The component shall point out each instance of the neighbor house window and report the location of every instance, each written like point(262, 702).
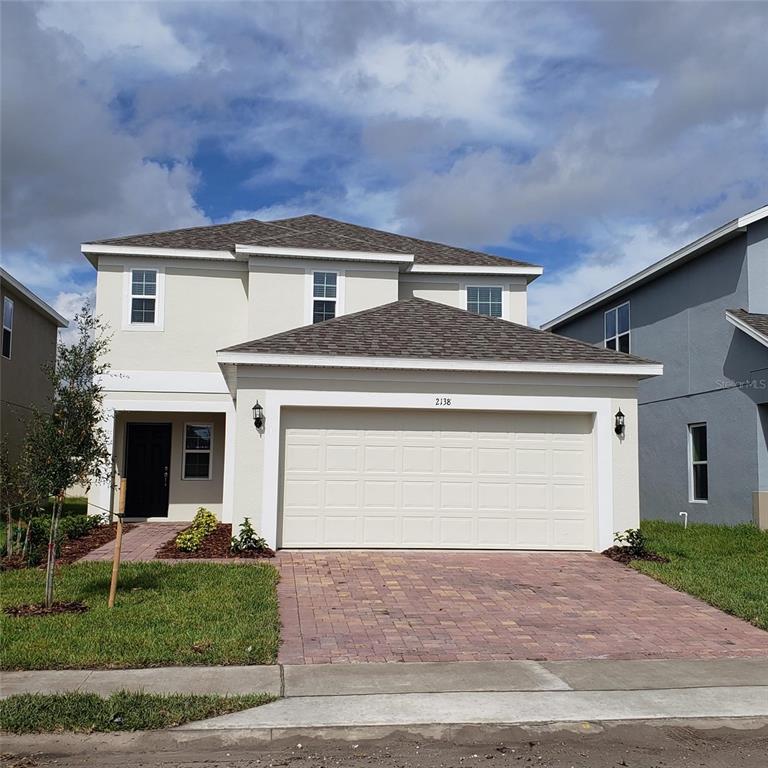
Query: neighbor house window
point(7, 326)
point(484, 300)
point(699, 472)
point(143, 295)
point(617, 328)
point(324, 296)
point(198, 441)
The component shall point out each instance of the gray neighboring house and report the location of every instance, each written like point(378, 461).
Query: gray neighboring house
point(702, 312)
point(30, 329)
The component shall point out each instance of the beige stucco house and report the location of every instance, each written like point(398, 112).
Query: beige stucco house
point(29, 333)
point(347, 387)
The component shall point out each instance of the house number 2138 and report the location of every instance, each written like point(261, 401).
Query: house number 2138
point(442, 401)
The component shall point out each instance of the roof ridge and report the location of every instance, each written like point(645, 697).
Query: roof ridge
point(411, 237)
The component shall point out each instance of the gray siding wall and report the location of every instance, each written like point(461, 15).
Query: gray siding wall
point(24, 385)
point(679, 320)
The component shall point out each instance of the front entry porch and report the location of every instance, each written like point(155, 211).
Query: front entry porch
point(169, 459)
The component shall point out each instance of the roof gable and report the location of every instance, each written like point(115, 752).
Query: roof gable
point(426, 330)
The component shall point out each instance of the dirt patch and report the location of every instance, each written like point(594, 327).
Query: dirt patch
point(622, 555)
point(37, 609)
point(215, 545)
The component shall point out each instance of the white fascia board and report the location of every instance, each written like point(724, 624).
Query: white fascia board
point(684, 254)
point(474, 269)
point(170, 253)
point(422, 364)
point(326, 254)
point(752, 217)
point(748, 329)
point(46, 309)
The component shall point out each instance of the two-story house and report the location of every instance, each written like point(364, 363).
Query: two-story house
point(30, 331)
point(347, 387)
point(703, 312)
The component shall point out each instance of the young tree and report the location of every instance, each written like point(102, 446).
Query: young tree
point(67, 444)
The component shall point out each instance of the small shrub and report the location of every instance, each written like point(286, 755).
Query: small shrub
point(634, 540)
point(203, 524)
point(77, 526)
point(247, 540)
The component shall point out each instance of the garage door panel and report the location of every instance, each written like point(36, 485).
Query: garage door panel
point(504, 480)
point(456, 531)
point(418, 459)
point(380, 458)
point(342, 458)
point(494, 496)
point(342, 493)
point(380, 494)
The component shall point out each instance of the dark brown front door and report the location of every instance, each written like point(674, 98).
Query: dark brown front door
point(147, 467)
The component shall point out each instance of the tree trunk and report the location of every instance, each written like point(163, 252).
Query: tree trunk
point(51, 562)
point(9, 533)
point(25, 548)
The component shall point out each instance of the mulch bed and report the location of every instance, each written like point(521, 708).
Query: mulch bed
point(37, 609)
point(71, 549)
point(214, 546)
point(622, 555)
point(74, 549)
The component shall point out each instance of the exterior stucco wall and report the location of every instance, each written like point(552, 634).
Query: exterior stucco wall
point(713, 373)
point(251, 458)
point(451, 290)
point(205, 306)
point(23, 385)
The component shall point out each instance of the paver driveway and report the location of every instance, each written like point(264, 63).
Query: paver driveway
point(459, 606)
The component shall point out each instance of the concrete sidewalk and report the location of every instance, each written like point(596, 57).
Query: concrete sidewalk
point(369, 700)
point(388, 678)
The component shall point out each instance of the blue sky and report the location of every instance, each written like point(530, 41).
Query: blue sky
point(590, 138)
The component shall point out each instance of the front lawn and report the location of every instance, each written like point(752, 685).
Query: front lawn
point(166, 615)
point(727, 566)
point(123, 711)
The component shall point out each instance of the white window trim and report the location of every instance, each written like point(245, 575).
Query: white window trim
point(185, 450)
point(159, 323)
point(691, 463)
point(310, 292)
point(504, 297)
point(7, 328)
point(607, 338)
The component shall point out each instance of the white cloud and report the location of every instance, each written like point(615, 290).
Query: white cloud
point(119, 30)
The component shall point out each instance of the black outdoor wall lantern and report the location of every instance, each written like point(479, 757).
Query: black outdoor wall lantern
point(619, 423)
point(258, 416)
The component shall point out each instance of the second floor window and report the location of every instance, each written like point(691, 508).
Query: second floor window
point(7, 326)
point(617, 328)
point(143, 295)
point(484, 300)
point(324, 296)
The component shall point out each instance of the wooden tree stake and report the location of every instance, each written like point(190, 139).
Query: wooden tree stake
point(118, 545)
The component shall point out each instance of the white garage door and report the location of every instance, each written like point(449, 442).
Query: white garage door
point(375, 478)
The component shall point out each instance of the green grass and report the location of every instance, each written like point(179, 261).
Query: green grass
point(166, 615)
point(726, 566)
point(123, 711)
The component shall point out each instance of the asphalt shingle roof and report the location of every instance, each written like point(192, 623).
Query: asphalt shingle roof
point(754, 320)
point(311, 232)
point(417, 328)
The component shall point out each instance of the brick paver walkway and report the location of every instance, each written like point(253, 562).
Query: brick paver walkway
point(449, 606)
point(140, 543)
